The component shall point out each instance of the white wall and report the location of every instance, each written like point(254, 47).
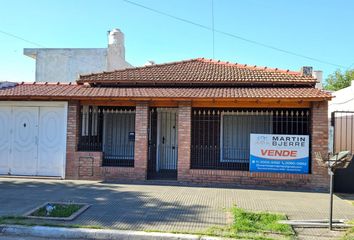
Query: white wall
point(343, 100)
point(65, 64)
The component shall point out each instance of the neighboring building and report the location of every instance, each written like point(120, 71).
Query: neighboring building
point(341, 115)
point(189, 121)
point(65, 64)
point(343, 99)
point(341, 129)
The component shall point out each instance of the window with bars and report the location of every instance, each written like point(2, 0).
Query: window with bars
point(236, 128)
point(90, 137)
point(221, 137)
point(110, 130)
point(119, 137)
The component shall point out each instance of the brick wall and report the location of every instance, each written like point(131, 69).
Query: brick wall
point(72, 166)
point(184, 141)
point(141, 140)
point(319, 131)
point(88, 165)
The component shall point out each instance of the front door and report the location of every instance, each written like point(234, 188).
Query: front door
point(165, 166)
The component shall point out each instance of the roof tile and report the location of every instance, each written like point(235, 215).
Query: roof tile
point(60, 91)
point(198, 71)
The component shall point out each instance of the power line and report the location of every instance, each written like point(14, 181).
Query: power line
point(351, 65)
point(33, 43)
point(21, 38)
point(233, 35)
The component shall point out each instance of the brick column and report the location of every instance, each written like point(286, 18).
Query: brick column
point(71, 140)
point(319, 132)
point(141, 140)
point(184, 140)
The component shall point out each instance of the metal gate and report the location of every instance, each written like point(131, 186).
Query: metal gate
point(342, 139)
point(163, 145)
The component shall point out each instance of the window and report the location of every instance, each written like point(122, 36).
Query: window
point(90, 137)
point(119, 137)
point(220, 136)
point(89, 120)
point(235, 133)
point(110, 130)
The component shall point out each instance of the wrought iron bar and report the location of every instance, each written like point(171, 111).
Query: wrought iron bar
point(220, 137)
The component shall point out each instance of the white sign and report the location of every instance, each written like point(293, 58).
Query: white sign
point(279, 153)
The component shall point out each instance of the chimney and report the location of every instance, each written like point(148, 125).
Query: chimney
point(318, 74)
point(150, 63)
point(115, 50)
point(306, 71)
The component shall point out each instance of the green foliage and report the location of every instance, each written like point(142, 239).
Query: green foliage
point(245, 221)
point(339, 80)
point(254, 225)
point(60, 210)
point(349, 235)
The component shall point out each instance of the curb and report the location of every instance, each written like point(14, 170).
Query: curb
point(84, 233)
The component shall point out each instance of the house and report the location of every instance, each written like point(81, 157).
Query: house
point(341, 129)
point(65, 64)
point(190, 121)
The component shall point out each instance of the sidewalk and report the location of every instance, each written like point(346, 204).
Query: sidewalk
point(162, 208)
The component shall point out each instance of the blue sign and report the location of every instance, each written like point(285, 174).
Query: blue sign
point(279, 153)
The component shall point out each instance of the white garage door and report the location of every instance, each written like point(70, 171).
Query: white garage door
point(24, 146)
point(32, 140)
point(5, 138)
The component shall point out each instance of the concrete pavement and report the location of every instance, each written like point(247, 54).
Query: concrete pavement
point(161, 208)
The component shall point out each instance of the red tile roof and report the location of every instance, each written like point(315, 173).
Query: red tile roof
point(73, 91)
point(198, 71)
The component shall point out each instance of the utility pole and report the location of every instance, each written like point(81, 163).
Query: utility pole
point(331, 175)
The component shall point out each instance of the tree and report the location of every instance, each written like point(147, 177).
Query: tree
point(339, 80)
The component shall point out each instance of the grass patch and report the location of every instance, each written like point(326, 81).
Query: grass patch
point(245, 221)
point(254, 225)
point(246, 225)
point(59, 210)
point(349, 234)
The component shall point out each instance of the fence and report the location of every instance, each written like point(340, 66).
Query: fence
point(343, 129)
point(221, 137)
point(342, 139)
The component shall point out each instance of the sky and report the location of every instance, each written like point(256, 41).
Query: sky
point(320, 29)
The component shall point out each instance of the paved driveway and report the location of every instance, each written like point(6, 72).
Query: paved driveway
point(164, 208)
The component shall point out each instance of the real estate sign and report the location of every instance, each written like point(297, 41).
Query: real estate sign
point(279, 153)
